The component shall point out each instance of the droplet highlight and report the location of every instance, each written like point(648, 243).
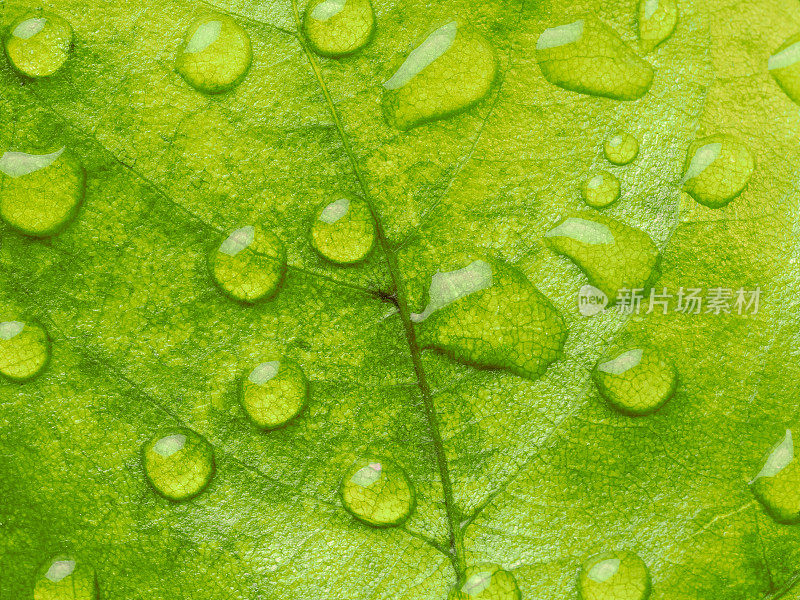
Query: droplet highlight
point(619, 575)
point(24, 350)
point(657, 21)
point(65, 577)
point(486, 582)
point(179, 463)
point(717, 169)
point(338, 27)
point(784, 66)
point(377, 492)
point(621, 148)
point(273, 393)
point(636, 381)
point(601, 190)
point(777, 484)
point(344, 232)
point(38, 45)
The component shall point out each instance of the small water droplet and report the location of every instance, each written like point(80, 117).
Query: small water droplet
point(717, 169)
point(338, 27)
point(40, 193)
point(249, 265)
point(377, 492)
point(486, 582)
point(784, 66)
point(777, 485)
point(636, 381)
point(274, 392)
point(24, 350)
point(65, 577)
point(601, 190)
point(586, 56)
point(447, 73)
point(344, 231)
point(619, 575)
point(613, 255)
point(38, 45)
point(215, 54)
point(621, 148)
point(657, 21)
point(178, 462)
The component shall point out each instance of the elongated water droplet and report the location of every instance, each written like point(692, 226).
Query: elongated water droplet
point(344, 231)
point(621, 148)
point(338, 27)
point(619, 575)
point(178, 462)
point(40, 193)
point(215, 54)
point(601, 190)
point(274, 392)
point(777, 485)
point(613, 255)
point(377, 492)
point(249, 264)
point(488, 314)
point(636, 381)
point(588, 57)
point(657, 21)
point(38, 45)
point(784, 66)
point(24, 350)
point(486, 582)
point(451, 70)
point(717, 169)
point(65, 577)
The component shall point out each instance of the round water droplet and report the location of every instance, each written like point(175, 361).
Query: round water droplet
point(619, 575)
point(338, 27)
point(586, 56)
point(449, 71)
point(274, 392)
point(784, 66)
point(215, 54)
point(377, 492)
point(250, 264)
point(178, 462)
point(344, 231)
point(40, 193)
point(717, 169)
point(621, 148)
point(24, 350)
point(636, 381)
point(65, 577)
point(657, 21)
point(486, 582)
point(37, 45)
point(601, 190)
point(777, 485)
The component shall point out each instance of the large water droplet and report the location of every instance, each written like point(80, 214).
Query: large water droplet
point(588, 57)
point(601, 190)
point(37, 45)
point(377, 492)
point(613, 255)
point(777, 485)
point(24, 350)
point(338, 27)
point(636, 381)
point(65, 577)
point(717, 169)
point(274, 392)
point(178, 462)
point(621, 148)
point(215, 54)
point(619, 575)
point(40, 193)
point(486, 582)
point(784, 66)
point(657, 21)
point(448, 72)
point(488, 314)
point(344, 231)
point(250, 264)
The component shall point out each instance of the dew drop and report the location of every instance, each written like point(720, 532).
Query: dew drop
point(447, 73)
point(717, 169)
point(621, 148)
point(377, 492)
point(215, 54)
point(784, 66)
point(777, 485)
point(601, 190)
point(249, 265)
point(619, 575)
point(40, 193)
point(586, 56)
point(338, 27)
point(344, 231)
point(486, 582)
point(657, 21)
point(24, 350)
point(178, 462)
point(273, 393)
point(37, 46)
point(65, 577)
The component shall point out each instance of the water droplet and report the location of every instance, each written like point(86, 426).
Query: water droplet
point(377, 492)
point(617, 575)
point(586, 56)
point(621, 148)
point(273, 393)
point(657, 21)
point(338, 27)
point(784, 66)
point(24, 350)
point(777, 485)
point(613, 255)
point(486, 582)
point(717, 169)
point(601, 190)
point(636, 381)
point(344, 231)
point(38, 45)
point(40, 193)
point(215, 54)
point(447, 73)
point(65, 578)
point(178, 462)
point(488, 314)
point(249, 264)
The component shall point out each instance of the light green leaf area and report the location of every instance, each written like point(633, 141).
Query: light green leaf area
point(533, 475)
